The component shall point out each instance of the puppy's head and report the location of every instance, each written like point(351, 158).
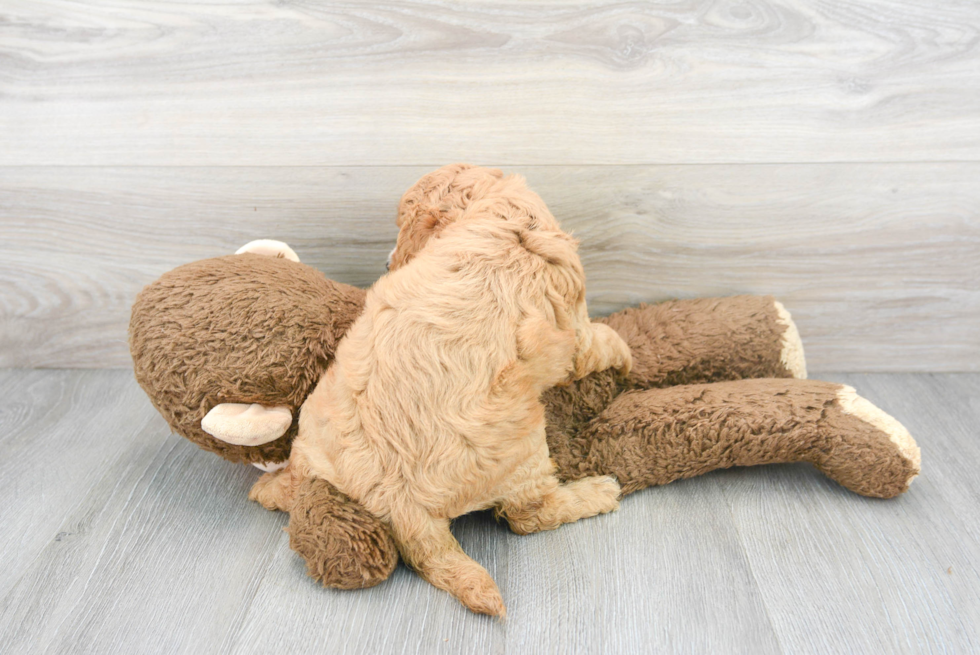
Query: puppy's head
point(437, 200)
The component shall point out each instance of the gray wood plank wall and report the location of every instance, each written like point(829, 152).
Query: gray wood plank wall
point(825, 152)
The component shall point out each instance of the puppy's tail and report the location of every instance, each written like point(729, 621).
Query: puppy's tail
point(431, 549)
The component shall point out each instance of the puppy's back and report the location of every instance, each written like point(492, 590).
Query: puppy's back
point(443, 371)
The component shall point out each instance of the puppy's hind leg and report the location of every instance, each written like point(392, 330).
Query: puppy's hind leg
point(542, 503)
point(277, 489)
point(428, 546)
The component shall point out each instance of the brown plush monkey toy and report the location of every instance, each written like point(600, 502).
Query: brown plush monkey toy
point(228, 349)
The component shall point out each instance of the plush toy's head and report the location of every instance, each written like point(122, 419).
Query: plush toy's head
point(237, 329)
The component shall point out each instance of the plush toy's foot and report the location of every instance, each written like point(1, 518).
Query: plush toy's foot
point(653, 437)
point(791, 351)
point(269, 248)
point(860, 424)
point(247, 425)
point(344, 546)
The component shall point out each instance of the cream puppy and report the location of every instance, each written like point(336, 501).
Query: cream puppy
point(431, 409)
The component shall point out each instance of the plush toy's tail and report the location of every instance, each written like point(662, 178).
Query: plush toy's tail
point(653, 437)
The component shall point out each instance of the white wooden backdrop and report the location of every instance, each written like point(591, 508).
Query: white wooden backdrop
point(827, 152)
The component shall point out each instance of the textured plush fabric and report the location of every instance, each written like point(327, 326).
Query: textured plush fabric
point(702, 340)
point(243, 329)
point(646, 438)
point(344, 546)
point(676, 342)
point(656, 436)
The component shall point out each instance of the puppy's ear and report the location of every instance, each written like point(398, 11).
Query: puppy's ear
point(415, 233)
point(557, 248)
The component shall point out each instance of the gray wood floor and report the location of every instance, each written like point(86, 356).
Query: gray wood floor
point(121, 538)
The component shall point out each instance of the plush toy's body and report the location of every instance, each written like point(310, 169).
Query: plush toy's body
point(232, 346)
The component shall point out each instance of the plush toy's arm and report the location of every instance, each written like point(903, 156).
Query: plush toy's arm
point(656, 436)
point(344, 545)
point(709, 340)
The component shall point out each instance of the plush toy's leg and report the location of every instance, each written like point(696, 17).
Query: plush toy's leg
point(344, 545)
point(709, 340)
point(270, 248)
point(655, 436)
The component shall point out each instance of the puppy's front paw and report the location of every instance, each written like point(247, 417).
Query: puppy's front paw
point(620, 357)
point(625, 359)
point(611, 349)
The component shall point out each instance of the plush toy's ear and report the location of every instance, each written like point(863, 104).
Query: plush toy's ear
point(247, 425)
point(269, 248)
